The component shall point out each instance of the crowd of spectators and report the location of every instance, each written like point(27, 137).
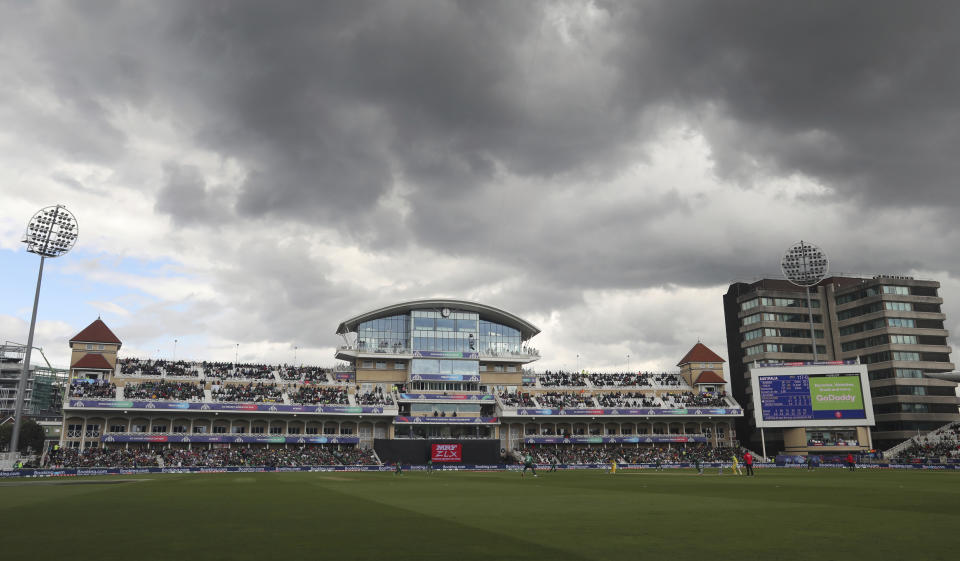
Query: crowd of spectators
point(562, 379)
point(646, 379)
point(518, 399)
point(942, 444)
point(311, 455)
point(257, 393)
point(560, 400)
point(627, 399)
point(248, 372)
point(217, 369)
point(179, 369)
point(690, 399)
point(309, 395)
point(139, 367)
point(99, 457)
point(310, 375)
point(174, 391)
point(603, 454)
point(316, 375)
point(374, 397)
point(86, 387)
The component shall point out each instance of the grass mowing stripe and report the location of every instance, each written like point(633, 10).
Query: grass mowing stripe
point(791, 515)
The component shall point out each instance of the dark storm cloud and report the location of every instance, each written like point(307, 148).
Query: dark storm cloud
point(863, 96)
point(186, 197)
point(329, 107)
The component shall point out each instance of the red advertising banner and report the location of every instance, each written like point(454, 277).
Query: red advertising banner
point(446, 452)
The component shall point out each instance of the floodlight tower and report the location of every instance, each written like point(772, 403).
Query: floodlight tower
point(805, 265)
point(50, 233)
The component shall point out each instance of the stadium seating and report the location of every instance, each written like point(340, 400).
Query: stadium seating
point(374, 397)
point(310, 395)
point(171, 391)
point(602, 454)
point(255, 392)
point(312, 455)
point(939, 445)
point(93, 389)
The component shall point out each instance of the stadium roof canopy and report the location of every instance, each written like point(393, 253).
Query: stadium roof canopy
point(489, 313)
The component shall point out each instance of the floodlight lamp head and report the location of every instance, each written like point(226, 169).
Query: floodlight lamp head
point(51, 232)
point(804, 264)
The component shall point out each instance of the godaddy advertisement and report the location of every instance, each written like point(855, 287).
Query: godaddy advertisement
point(835, 393)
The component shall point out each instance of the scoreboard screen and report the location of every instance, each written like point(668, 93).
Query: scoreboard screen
point(811, 396)
point(801, 397)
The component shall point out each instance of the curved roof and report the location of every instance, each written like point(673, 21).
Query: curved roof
point(489, 313)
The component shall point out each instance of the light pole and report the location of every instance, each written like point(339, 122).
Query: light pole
point(50, 233)
point(805, 265)
point(236, 358)
point(628, 363)
point(294, 356)
point(578, 362)
point(174, 350)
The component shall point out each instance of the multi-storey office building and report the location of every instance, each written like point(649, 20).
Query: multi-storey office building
point(415, 373)
point(894, 325)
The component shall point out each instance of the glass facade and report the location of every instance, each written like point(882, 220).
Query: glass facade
point(389, 334)
point(434, 332)
point(438, 331)
point(498, 339)
point(443, 366)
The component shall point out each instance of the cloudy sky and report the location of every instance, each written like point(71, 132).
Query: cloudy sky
point(256, 172)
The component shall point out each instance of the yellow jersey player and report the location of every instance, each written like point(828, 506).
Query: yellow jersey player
point(735, 468)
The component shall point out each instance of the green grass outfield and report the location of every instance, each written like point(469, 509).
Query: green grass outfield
point(453, 516)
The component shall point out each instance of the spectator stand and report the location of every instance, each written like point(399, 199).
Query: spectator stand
point(255, 392)
point(164, 391)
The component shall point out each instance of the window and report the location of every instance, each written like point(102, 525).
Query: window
point(93, 430)
point(329, 430)
point(238, 430)
point(905, 356)
point(219, 430)
point(381, 365)
point(789, 302)
point(748, 320)
point(159, 428)
point(199, 429)
point(74, 431)
point(753, 334)
point(139, 428)
point(903, 339)
point(293, 430)
point(118, 428)
point(399, 366)
point(900, 322)
point(276, 430)
point(346, 429)
point(753, 303)
point(257, 429)
point(312, 430)
point(367, 364)
point(901, 290)
point(898, 306)
point(179, 428)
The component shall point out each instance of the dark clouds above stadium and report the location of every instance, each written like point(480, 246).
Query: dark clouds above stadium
point(554, 158)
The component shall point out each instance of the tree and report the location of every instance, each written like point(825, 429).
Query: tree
point(32, 436)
